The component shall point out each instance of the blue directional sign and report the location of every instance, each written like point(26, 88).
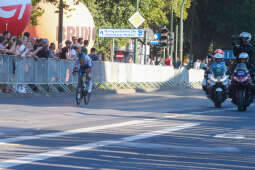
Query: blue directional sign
point(229, 55)
point(121, 33)
point(156, 39)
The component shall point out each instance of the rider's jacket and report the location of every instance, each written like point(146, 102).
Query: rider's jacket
point(83, 61)
point(216, 65)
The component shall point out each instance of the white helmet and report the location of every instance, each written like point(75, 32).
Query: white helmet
point(218, 56)
point(245, 35)
point(243, 56)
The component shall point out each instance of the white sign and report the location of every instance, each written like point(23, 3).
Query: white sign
point(121, 33)
point(136, 19)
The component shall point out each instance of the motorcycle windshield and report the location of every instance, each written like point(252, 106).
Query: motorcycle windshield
point(241, 69)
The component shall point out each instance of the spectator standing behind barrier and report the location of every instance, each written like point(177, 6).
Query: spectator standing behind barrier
point(44, 52)
point(73, 53)
point(66, 50)
point(93, 55)
point(1, 44)
point(84, 48)
point(100, 55)
point(130, 59)
point(197, 64)
point(59, 50)
point(168, 61)
point(148, 61)
point(203, 64)
point(74, 42)
point(154, 60)
point(52, 53)
point(80, 41)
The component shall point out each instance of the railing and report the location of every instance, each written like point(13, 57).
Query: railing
point(17, 70)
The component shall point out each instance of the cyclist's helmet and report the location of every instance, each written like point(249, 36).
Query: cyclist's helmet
point(245, 37)
point(218, 57)
point(243, 58)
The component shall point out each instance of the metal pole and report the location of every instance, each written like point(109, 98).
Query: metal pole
point(171, 28)
point(145, 47)
point(113, 44)
point(136, 40)
point(181, 31)
point(60, 22)
point(176, 41)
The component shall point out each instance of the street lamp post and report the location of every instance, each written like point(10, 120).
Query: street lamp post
point(181, 31)
point(136, 40)
point(60, 23)
point(171, 27)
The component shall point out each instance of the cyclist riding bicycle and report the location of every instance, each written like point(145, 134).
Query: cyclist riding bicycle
point(83, 65)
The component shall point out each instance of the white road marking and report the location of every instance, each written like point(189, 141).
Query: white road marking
point(229, 136)
point(209, 111)
point(70, 132)
point(89, 146)
point(183, 148)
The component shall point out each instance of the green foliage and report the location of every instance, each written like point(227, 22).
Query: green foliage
point(216, 21)
point(115, 14)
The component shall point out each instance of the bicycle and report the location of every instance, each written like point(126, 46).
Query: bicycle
point(84, 91)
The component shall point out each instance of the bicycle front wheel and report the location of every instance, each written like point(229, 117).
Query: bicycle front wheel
point(87, 98)
point(78, 97)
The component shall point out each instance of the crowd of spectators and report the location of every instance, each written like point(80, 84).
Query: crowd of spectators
point(31, 47)
point(159, 61)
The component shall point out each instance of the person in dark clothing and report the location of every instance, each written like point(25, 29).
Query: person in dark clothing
point(85, 47)
point(93, 55)
point(66, 50)
point(244, 46)
point(44, 52)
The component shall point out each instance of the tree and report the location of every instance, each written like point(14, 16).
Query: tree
point(216, 21)
point(115, 14)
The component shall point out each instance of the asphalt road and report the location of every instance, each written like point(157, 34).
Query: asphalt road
point(176, 129)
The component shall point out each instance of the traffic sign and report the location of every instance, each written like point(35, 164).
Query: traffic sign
point(119, 56)
point(14, 15)
point(121, 33)
point(229, 55)
point(136, 20)
point(156, 39)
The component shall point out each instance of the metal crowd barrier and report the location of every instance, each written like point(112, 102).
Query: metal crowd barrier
point(17, 70)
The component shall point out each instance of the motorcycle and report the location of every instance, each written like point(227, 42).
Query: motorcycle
point(218, 85)
point(241, 88)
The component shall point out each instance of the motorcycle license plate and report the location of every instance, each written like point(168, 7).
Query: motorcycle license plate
point(219, 89)
point(240, 73)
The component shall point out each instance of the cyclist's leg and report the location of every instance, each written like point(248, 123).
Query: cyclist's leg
point(89, 77)
point(80, 79)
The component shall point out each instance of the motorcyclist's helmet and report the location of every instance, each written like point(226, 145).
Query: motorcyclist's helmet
point(218, 57)
point(220, 51)
point(245, 37)
point(243, 58)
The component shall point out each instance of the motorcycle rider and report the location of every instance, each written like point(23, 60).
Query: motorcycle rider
point(242, 58)
point(218, 62)
point(207, 70)
point(246, 47)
